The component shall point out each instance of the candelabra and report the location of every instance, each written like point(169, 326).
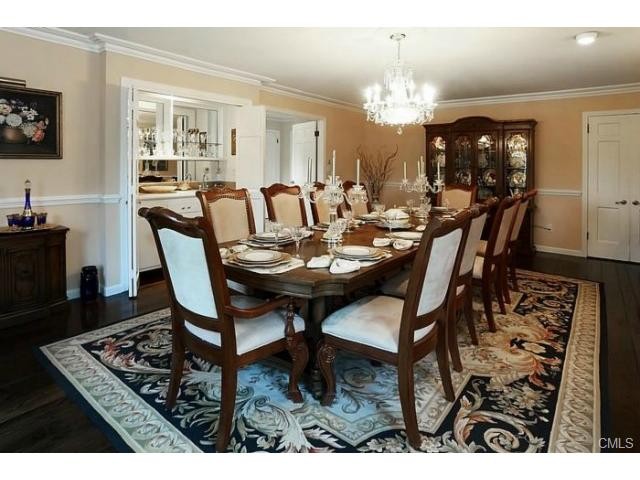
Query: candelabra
point(422, 186)
point(333, 194)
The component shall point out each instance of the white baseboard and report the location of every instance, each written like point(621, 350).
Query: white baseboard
point(560, 251)
point(73, 293)
point(109, 290)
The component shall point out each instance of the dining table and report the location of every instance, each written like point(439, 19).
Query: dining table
point(317, 285)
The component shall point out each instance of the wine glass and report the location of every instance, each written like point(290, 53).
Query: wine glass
point(348, 216)
point(297, 233)
point(342, 225)
point(410, 205)
point(276, 228)
point(392, 216)
point(379, 208)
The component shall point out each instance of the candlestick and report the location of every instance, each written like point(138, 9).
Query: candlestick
point(405, 171)
point(333, 167)
point(358, 171)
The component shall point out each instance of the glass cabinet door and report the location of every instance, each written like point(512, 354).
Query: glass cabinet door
point(437, 157)
point(462, 159)
point(487, 164)
point(516, 157)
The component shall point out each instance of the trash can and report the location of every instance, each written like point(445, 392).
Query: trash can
point(89, 283)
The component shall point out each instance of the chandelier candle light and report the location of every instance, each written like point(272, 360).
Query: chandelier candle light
point(333, 194)
point(401, 105)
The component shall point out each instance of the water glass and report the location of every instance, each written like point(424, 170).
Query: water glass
point(41, 218)
point(342, 225)
point(410, 206)
point(297, 233)
point(276, 228)
point(379, 208)
point(348, 216)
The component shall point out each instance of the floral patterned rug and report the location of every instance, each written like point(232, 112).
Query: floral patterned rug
point(533, 386)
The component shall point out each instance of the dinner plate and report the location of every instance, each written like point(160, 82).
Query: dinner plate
point(259, 256)
point(270, 236)
point(407, 235)
point(357, 251)
point(368, 216)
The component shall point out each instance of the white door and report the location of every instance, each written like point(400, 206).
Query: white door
point(614, 149)
point(303, 150)
point(251, 127)
point(272, 167)
point(634, 195)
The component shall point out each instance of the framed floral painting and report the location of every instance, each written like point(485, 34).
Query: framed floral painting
point(30, 123)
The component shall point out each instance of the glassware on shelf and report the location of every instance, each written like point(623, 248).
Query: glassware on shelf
point(462, 160)
point(14, 221)
point(41, 218)
point(437, 154)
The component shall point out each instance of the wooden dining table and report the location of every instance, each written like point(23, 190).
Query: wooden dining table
point(318, 285)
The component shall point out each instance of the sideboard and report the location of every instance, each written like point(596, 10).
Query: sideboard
point(33, 274)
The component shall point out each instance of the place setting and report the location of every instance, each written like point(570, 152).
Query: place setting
point(264, 261)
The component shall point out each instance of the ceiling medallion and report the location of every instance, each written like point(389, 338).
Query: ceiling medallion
point(399, 105)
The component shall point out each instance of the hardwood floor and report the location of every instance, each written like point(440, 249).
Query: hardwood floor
point(36, 416)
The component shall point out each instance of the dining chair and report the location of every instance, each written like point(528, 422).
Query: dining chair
point(319, 208)
point(457, 196)
point(230, 331)
point(284, 204)
point(397, 285)
point(229, 211)
point(512, 247)
point(401, 332)
point(489, 269)
point(356, 208)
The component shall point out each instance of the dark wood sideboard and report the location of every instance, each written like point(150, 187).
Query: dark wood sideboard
point(33, 274)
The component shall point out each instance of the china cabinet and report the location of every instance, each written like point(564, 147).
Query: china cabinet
point(495, 155)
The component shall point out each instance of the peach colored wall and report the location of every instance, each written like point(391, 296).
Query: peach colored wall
point(558, 154)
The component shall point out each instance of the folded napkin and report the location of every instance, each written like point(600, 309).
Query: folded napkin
point(340, 265)
point(238, 248)
point(224, 253)
point(319, 262)
point(401, 244)
point(381, 242)
point(420, 228)
point(396, 214)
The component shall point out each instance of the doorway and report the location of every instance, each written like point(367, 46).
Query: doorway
point(613, 185)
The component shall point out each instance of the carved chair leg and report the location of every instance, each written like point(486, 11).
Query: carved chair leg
point(468, 314)
point(227, 407)
point(497, 282)
point(443, 365)
point(408, 402)
point(453, 339)
point(177, 366)
point(512, 268)
point(488, 305)
point(505, 282)
point(299, 356)
point(325, 358)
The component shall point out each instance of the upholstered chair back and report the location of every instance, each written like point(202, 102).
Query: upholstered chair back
point(432, 281)
point(284, 204)
point(506, 223)
point(229, 212)
point(193, 270)
point(188, 273)
point(517, 224)
point(458, 197)
point(473, 240)
point(320, 208)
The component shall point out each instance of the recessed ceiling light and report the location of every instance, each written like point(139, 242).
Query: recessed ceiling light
point(586, 38)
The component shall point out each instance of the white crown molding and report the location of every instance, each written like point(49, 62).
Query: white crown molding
point(541, 96)
point(56, 35)
point(98, 43)
point(310, 97)
point(56, 200)
point(115, 45)
point(553, 192)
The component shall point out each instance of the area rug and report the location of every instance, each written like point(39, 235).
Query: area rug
point(533, 386)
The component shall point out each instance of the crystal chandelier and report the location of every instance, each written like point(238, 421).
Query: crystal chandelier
point(401, 105)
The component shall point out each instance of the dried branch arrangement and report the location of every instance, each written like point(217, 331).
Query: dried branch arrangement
point(376, 168)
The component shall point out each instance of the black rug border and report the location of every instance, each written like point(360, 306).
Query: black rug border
point(76, 397)
point(119, 444)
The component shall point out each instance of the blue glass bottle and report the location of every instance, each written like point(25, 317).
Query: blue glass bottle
point(28, 219)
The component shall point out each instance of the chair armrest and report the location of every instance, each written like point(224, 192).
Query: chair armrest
point(258, 310)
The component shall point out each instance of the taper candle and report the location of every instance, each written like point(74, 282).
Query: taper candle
point(358, 171)
point(333, 167)
point(405, 171)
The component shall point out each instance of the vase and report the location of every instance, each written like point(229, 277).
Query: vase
point(13, 135)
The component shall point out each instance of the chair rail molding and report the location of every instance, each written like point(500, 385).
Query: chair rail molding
point(559, 192)
point(55, 200)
